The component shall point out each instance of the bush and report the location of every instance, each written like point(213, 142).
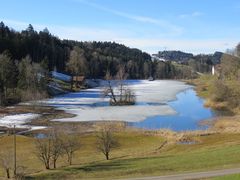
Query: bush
point(227, 91)
point(32, 95)
point(220, 91)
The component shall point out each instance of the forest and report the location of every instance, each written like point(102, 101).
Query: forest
point(27, 57)
point(96, 57)
point(93, 58)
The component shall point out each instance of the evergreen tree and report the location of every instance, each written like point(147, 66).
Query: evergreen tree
point(8, 75)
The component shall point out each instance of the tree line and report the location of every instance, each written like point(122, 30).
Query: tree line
point(91, 59)
point(21, 80)
point(97, 57)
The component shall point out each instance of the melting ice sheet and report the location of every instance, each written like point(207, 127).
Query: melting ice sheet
point(88, 105)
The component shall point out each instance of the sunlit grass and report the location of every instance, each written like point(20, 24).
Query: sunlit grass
point(227, 177)
point(138, 155)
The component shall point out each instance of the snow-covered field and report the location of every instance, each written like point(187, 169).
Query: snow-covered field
point(19, 120)
point(88, 105)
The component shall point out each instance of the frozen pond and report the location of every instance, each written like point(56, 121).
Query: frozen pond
point(151, 97)
point(156, 107)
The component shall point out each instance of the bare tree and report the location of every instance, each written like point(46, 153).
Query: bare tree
point(43, 151)
point(6, 161)
point(70, 145)
point(77, 61)
point(108, 91)
point(121, 76)
point(106, 141)
point(57, 146)
point(50, 148)
point(121, 94)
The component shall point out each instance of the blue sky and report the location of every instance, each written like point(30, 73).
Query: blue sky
point(197, 26)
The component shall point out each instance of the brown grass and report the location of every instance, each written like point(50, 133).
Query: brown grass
point(227, 124)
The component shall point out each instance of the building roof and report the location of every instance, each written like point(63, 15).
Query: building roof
point(78, 78)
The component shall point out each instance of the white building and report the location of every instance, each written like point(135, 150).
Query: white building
point(213, 70)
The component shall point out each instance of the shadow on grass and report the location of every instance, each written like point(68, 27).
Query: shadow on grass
point(119, 157)
point(112, 165)
point(116, 167)
point(108, 166)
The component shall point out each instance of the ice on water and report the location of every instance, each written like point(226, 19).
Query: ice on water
point(89, 105)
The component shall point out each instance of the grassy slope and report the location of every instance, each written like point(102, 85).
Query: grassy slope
point(25, 149)
point(138, 155)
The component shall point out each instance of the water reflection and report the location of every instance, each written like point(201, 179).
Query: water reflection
point(190, 110)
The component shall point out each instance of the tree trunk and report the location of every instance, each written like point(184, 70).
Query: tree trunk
point(8, 173)
point(70, 160)
point(112, 93)
point(47, 165)
point(107, 155)
point(54, 164)
point(121, 92)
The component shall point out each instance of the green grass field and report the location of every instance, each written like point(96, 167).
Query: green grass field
point(227, 177)
point(138, 155)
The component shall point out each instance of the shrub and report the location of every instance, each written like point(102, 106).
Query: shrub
point(220, 91)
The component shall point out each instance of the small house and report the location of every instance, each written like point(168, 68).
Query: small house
point(78, 81)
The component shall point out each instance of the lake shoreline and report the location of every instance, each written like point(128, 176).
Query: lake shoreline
point(48, 113)
point(48, 117)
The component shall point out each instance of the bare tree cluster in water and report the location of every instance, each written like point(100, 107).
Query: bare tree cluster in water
point(117, 89)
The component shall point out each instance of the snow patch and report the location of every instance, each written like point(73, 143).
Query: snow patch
point(19, 120)
point(61, 76)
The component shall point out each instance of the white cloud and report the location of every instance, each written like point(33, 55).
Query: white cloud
point(150, 45)
point(166, 25)
point(73, 33)
point(194, 14)
point(193, 46)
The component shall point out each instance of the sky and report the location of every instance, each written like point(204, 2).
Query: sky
point(196, 26)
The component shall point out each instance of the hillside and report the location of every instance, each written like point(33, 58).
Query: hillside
point(183, 57)
point(100, 56)
point(177, 56)
point(199, 63)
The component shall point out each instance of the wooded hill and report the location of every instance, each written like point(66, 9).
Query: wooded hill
point(200, 63)
point(98, 56)
point(91, 59)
